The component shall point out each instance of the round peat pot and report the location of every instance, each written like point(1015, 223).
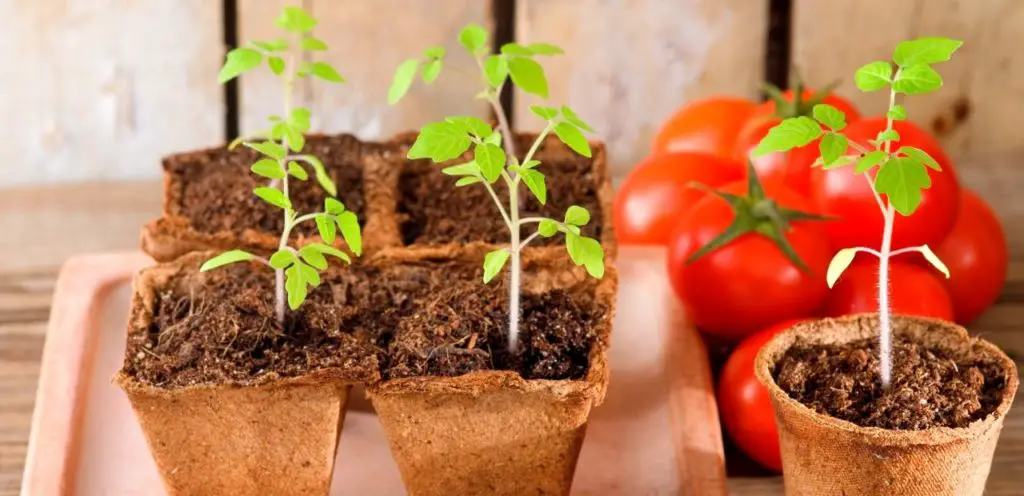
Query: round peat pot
point(823, 455)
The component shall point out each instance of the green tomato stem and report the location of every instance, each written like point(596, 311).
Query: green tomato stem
point(289, 220)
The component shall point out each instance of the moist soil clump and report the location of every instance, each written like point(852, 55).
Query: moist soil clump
point(931, 386)
point(216, 187)
point(433, 211)
point(463, 327)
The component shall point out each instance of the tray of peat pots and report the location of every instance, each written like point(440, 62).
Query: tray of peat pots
point(882, 404)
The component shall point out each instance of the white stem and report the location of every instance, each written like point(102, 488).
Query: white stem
point(528, 239)
point(279, 296)
point(884, 310)
point(513, 298)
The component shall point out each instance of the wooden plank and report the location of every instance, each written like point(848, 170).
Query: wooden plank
point(102, 90)
point(975, 111)
point(368, 41)
point(630, 63)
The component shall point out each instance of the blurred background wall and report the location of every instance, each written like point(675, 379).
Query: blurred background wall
point(102, 89)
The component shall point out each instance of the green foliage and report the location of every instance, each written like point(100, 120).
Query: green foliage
point(874, 76)
point(493, 263)
point(404, 76)
point(287, 134)
point(870, 160)
point(829, 116)
point(832, 146)
point(901, 179)
point(897, 113)
point(571, 136)
point(927, 50)
point(440, 141)
point(791, 133)
point(474, 38)
point(528, 75)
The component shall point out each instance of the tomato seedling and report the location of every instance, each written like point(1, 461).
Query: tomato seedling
point(494, 154)
point(896, 177)
point(296, 269)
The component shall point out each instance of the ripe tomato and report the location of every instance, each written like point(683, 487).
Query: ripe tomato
point(913, 290)
point(792, 168)
point(709, 126)
point(845, 194)
point(745, 405)
point(977, 255)
point(749, 282)
point(659, 191)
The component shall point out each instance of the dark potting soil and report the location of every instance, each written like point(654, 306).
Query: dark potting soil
point(227, 332)
point(427, 318)
point(433, 211)
point(216, 187)
point(931, 387)
point(463, 327)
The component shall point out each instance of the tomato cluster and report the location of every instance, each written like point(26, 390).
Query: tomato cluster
point(749, 241)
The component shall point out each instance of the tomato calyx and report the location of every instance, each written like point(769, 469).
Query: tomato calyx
point(756, 213)
point(797, 106)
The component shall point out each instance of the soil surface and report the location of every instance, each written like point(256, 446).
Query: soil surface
point(931, 387)
point(428, 318)
point(433, 211)
point(216, 187)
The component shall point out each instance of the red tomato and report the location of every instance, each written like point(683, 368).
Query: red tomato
point(845, 194)
point(746, 406)
point(659, 191)
point(977, 255)
point(709, 126)
point(792, 168)
point(913, 290)
point(749, 283)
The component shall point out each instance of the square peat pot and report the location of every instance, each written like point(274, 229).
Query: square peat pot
point(657, 431)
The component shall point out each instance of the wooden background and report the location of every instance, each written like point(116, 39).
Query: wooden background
point(101, 89)
point(95, 92)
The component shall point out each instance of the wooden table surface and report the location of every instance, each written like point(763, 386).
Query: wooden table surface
point(41, 227)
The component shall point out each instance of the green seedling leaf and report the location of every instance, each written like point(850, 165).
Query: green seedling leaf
point(474, 38)
point(547, 228)
point(490, 159)
point(431, 70)
point(496, 70)
point(571, 136)
point(333, 206)
point(299, 119)
point(238, 62)
point(278, 45)
point(434, 52)
point(927, 50)
point(917, 79)
point(322, 177)
point(349, 225)
point(269, 148)
point(528, 75)
point(919, 155)
point(313, 44)
point(330, 250)
point(282, 258)
point(901, 180)
point(466, 181)
point(934, 259)
point(832, 146)
point(586, 252)
point(326, 227)
point(830, 116)
point(493, 263)
point(296, 20)
point(440, 141)
point(897, 113)
point(309, 274)
point(577, 216)
point(494, 138)
point(789, 134)
point(575, 120)
point(295, 286)
point(471, 125)
point(273, 196)
point(530, 164)
point(466, 169)
point(887, 135)
point(267, 168)
point(325, 71)
point(874, 76)
point(843, 160)
point(296, 141)
point(228, 257)
point(516, 49)
point(840, 262)
point(535, 182)
point(870, 160)
point(546, 113)
point(313, 257)
point(545, 49)
point(404, 76)
point(276, 65)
